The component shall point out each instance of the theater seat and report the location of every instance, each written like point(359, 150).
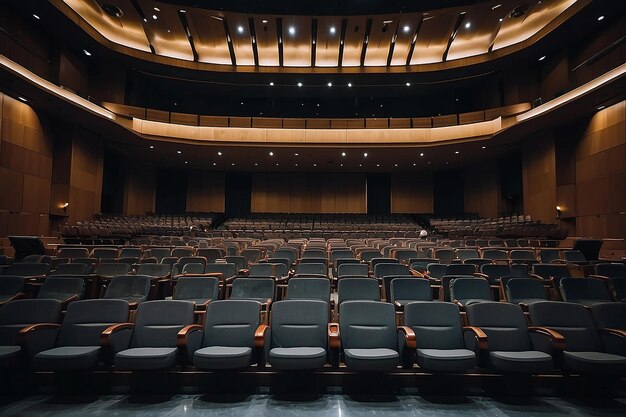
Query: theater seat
point(132, 288)
point(406, 290)
point(11, 288)
point(585, 291)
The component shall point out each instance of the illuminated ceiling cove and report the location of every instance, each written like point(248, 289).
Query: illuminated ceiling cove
point(285, 41)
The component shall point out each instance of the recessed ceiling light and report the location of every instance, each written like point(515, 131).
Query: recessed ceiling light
point(408, 84)
point(233, 164)
point(292, 30)
point(145, 20)
point(156, 9)
point(219, 154)
point(36, 17)
point(86, 52)
point(242, 103)
point(186, 162)
point(264, 21)
point(456, 152)
point(365, 155)
point(183, 11)
point(214, 163)
point(276, 163)
point(296, 154)
point(343, 154)
point(349, 84)
point(407, 28)
point(483, 147)
point(151, 146)
point(599, 107)
point(169, 31)
point(360, 165)
point(496, 6)
point(414, 164)
point(296, 164)
point(422, 154)
point(314, 165)
point(333, 30)
point(468, 25)
point(377, 165)
point(542, 58)
point(179, 152)
point(22, 99)
point(500, 20)
point(154, 17)
point(330, 84)
point(240, 29)
point(272, 83)
point(271, 153)
point(600, 18)
point(299, 84)
point(395, 165)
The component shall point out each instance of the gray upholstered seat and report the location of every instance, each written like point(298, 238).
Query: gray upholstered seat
point(585, 351)
point(609, 315)
point(261, 290)
point(619, 288)
point(71, 269)
point(261, 270)
point(406, 290)
point(132, 288)
point(384, 269)
point(62, 288)
point(191, 268)
point(228, 339)
point(14, 316)
point(304, 288)
point(358, 289)
point(352, 269)
point(299, 338)
point(439, 336)
point(104, 253)
point(308, 269)
point(368, 336)
point(510, 346)
point(436, 270)
point(551, 271)
point(154, 270)
point(27, 269)
point(229, 270)
point(11, 287)
point(131, 252)
point(154, 341)
point(77, 345)
point(199, 290)
point(611, 269)
point(524, 291)
point(110, 270)
point(466, 291)
point(585, 291)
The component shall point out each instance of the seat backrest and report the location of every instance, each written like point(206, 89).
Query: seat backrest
point(71, 269)
point(518, 289)
point(11, 285)
point(133, 288)
point(478, 262)
point(358, 289)
point(576, 289)
point(436, 270)
point(17, 314)
point(376, 261)
point(360, 270)
point(229, 270)
point(383, 269)
point(619, 288)
point(193, 268)
point(25, 269)
point(504, 324)
point(464, 254)
point(417, 289)
point(157, 323)
point(262, 288)
point(231, 323)
point(547, 271)
point(308, 289)
point(182, 251)
point(72, 253)
point(495, 271)
point(369, 254)
point(368, 325)
point(314, 253)
point(281, 270)
point(238, 260)
point(340, 253)
point(196, 288)
point(317, 269)
point(252, 255)
point(159, 253)
point(85, 321)
point(523, 255)
point(470, 289)
point(111, 269)
point(299, 323)
point(154, 270)
point(104, 253)
point(445, 256)
point(495, 254)
point(574, 256)
point(460, 269)
point(609, 315)
point(613, 269)
point(548, 255)
point(403, 255)
point(62, 287)
point(210, 254)
point(131, 253)
point(446, 281)
point(436, 325)
point(287, 252)
point(262, 270)
point(572, 320)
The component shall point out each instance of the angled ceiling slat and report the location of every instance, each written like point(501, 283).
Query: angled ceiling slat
point(327, 47)
point(405, 37)
point(515, 30)
point(266, 40)
point(381, 35)
point(297, 45)
point(126, 30)
point(477, 38)
point(166, 33)
point(434, 36)
point(242, 43)
point(209, 37)
point(353, 44)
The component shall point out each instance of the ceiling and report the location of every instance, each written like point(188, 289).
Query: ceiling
point(401, 41)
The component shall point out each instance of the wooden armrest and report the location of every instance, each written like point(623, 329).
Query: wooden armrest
point(602, 277)
point(397, 305)
point(106, 334)
point(481, 275)
point(21, 336)
point(615, 332)
point(540, 278)
point(557, 339)
point(183, 334)
point(481, 337)
point(334, 339)
point(409, 336)
point(259, 335)
point(72, 298)
point(458, 304)
point(558, 262)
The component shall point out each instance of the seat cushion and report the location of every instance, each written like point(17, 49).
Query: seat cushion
point(471, 301)
point(379, 359)
point(67, 357)
point(527, 301)
point(223, 357)
point(528, 361)
point(594, 363)
point(146, 358)
point(9, 356)
point(297, 358)
point(446, 360)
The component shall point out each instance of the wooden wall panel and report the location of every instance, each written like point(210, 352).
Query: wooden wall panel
point(86, 176)
point(205, 191)
point(140, 190)
point(539, 177)
point(308, 193)
point(412, 193)
point(482, 190)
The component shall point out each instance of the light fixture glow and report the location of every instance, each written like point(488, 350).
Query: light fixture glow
point(299, 84)
point(156, 9)
point(468, 25)
point(36, 17)
point(264, 21)
point(154, 17)
point(422, 154)
point(365, 155)
point(407, 28)
point(349, 84)
point(343, 154)
point(332, 30)
point(214, 163)
point(296, 154)
point(179, 152)
point(22, 99)
point(600, 18)
point(183, 11)
point(330, 84)
point(219, 154)
point(240, 29)
point(496, 6)
point(456, 152)
point(598, 108)
point(86, 52)
point(483, 147)
point(271, 153)
point(408, 84)
point(292, 30)
point(500, 20)
point(542, 58)
point(271, 83)
point(151, 146)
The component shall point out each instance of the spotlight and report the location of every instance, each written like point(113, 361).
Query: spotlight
point(292, 30)
point(179, 152)
point(329, 84)
point(343, 154)
point(600, 18)
point(299, 84)
point(240, 29)
point(272, 84)
point(332, 30)
point(219, 154)
point(36, 17)
point(408, 84)
point(86, 52)
point(349, 84)
point(468, 25)
point(542, 58)
point(365, 155)
point(271, 153)
point(407, 28)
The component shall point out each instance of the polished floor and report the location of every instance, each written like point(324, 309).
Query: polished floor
point(294, 405)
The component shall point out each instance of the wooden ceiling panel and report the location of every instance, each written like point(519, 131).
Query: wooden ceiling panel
point(166, 33)
point(483, 21)
point(266, 40)
point(240, 35)
point(514, 30)
point(434, 35)
point(209, 37)
point(126, 30)
point(353, 43)
point(407, 25)
point(328, 41)
point(382, 32)
point(296, 45)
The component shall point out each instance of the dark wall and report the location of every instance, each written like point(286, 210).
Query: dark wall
point(171, 191)
point(238, 194)
point(378, 194)
point(113, 183)
point(449, 193)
